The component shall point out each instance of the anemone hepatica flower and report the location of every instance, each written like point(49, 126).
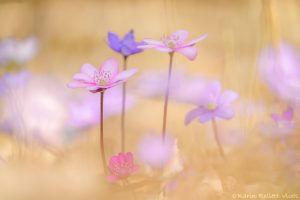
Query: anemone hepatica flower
point(280, 69)
point(283, 125)
point(97, 80)
point(126, 46)
point(213, 104)
point(176, 42)
point(17, 52)
point(154, 152)
point(121, 166)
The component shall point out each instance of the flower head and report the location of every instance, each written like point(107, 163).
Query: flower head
point(155, 152)
point(213, 104)
point(14, 52)
point(121, 166)
point(176, 42)
point(126, 46)
point(97, 80)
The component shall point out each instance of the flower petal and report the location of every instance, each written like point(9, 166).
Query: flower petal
point(215, 88)
point(224, 113)
point(180, 34)
point(88, 69)
point(114, 41)
point(78, 84)
point(193, 42)
point(123, 76)
point(82, 77)
point(227, 97)
point(153, 42)
point(206, 117)
point(129, 36)
point(288, 114)
point(112, 66)
point(192, 115)
point(189, 52)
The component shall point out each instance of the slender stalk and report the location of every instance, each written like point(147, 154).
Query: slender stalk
point(215, 129)
point(167, 97)
point(101, 133)
point(123, 109)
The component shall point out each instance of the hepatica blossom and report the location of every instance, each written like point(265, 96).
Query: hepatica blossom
point(121, 166)
point(213, 104)
point(17, 52)
point(176, 42)
point(126, 46)
point(97, 80)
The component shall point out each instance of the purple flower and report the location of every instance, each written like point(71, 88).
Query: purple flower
point(213, 104)
point(155, 152)
point(13, 81)
point(84, 112)
point(176, 42)
point(280, 69)
point(126, 46)
point(283, 125)
point(17, 52)
point(96, 80)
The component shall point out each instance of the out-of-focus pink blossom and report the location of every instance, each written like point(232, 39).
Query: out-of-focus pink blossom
point(84, 112)
point(97, 80)
point(176, 42)
point(13, 81)
point(183, 88)
point(281, 127)
point(17, 51)
point(213, 104)
point(280, 69)
point(155, 152)
point(121, 166)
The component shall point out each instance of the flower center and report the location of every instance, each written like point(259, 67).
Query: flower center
point(171, 41)
point(211, 106)
point(102, 77)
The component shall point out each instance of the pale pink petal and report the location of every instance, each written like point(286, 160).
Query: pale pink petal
point(193, 42)
point(146, 46)
point(83, 77)
point(214, 88)
point(164, 49)
point(94, 87)
point(112, 178)
point(227, 97)
point(224, 113)
point(206, 117)
point(123, 76)
point(78, 84)
point(88, 69)
point(193, 114)
point(111, 66)
point(180, 34)
point(189, 52)
point(153, 42)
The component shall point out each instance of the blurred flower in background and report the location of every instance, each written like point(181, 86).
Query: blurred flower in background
point(126, 46)
point(280, 68)
point(84, 111)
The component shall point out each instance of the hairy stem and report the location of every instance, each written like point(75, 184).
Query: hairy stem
point(167, 97)
point(101, 133)
point(215, 129)
point(123, 109)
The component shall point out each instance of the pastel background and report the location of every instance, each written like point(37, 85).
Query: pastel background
point(71, 33)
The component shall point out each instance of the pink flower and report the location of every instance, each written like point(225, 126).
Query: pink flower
point(155, 152)
point(286, 117)
point(175, 43)
point(121, 166)
point(213, 104)
point(97, 80)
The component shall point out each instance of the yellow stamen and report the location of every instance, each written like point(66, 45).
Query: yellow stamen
point(211, 106)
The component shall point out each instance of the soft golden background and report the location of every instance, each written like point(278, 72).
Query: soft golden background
point(73, 32)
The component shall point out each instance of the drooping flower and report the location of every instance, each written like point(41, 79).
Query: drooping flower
point(283, 125)
point(17, 52)
point(279, 67)
point(155, 152)
point(213, 104)
point(97, 80)
point(176, 42)
point(126, 46)
point(121, 166)
point(84, 111)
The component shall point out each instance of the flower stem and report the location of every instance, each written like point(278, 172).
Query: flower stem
point(215, 128)
point(123, 109)
point(167, 97)
point(101, 132)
